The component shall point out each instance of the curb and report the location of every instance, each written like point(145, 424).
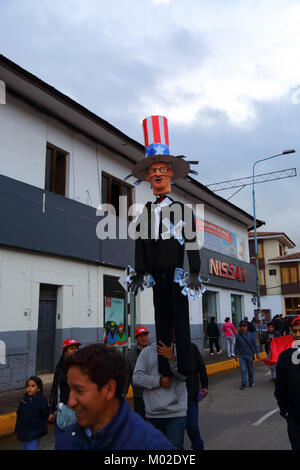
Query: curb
point(217, 367)
point(8, 420)
point(7, 424)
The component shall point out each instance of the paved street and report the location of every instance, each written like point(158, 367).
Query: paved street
point(227, 416)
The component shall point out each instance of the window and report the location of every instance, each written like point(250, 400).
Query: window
point(112, 188)
point(272, 272)
point(251, 249)
point(289, 274)
point(260, 251)
point(55, 174)
point(292, 305)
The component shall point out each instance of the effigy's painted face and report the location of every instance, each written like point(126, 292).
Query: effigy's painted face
point(160, 175)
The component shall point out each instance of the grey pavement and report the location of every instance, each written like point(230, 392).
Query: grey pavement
point(226, 416)
point(208, 359)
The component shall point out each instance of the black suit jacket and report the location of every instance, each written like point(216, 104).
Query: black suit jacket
point(160, 256)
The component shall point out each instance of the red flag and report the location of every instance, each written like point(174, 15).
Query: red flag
point(277, 346)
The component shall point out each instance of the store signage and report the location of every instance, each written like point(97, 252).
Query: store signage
point(229, 271)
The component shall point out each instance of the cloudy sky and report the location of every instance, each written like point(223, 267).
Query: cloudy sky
point(225, 74)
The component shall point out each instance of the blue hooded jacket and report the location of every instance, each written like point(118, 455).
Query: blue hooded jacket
point(126, 431)
point(32, 416)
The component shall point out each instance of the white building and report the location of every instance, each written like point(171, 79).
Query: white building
point(279, 273)
point(58, 162)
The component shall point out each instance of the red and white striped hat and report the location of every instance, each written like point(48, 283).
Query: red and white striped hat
point(156, 136)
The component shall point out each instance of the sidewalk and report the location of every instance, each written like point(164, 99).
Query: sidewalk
point(216, 358)
point(9, 400)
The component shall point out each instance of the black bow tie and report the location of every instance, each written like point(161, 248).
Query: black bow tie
point(160, 198)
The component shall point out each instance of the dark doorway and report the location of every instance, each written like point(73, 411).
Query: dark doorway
point(46, 329)
point(209, 309)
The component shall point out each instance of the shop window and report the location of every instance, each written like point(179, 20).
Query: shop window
point(55, 172)
point(112, 189)
point(116, 328)
point(236, 309)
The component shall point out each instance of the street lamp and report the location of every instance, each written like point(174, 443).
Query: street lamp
point(285, 152)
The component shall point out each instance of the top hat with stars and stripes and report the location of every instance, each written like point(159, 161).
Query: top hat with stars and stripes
point(156, 138)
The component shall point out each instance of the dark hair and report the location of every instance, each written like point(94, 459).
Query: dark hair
point(38, 382)
point(227, 319)
point(270, 324)
point(101, 363)
point(212, 318)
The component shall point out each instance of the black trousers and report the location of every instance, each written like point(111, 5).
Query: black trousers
point(171, 309)
point(212, 342)
point(294, 432)
point(139, 406)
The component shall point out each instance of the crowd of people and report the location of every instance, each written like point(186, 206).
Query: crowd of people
point(88, 405)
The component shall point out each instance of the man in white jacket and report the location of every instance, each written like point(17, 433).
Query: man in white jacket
point(165, 398)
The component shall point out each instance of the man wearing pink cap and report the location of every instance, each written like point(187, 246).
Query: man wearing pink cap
point(141, 335)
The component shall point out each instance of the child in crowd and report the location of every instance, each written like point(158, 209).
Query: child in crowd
point(32, 415)
point(267, 340)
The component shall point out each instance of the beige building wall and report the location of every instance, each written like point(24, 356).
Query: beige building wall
point(271, 250)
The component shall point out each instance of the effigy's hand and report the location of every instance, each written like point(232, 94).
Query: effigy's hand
point(137, 283)
point(193, 282)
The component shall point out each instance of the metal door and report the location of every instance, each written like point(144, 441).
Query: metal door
point(46, 334)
